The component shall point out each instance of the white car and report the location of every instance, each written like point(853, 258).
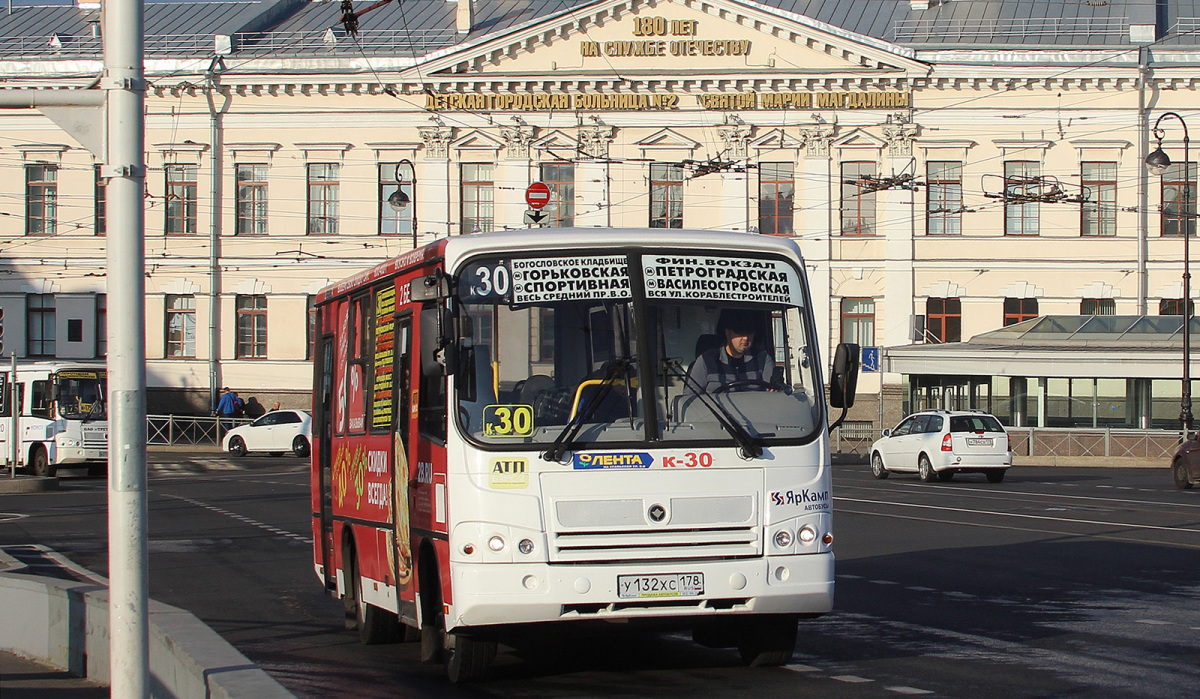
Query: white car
point(276, 432)
point(936, 444)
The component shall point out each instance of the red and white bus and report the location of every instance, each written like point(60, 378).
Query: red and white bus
point(507, 438)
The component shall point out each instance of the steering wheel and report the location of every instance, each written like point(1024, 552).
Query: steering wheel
point(745, 383)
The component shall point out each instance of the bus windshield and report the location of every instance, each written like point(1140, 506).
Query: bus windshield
point(80, 394)
point(562, 349)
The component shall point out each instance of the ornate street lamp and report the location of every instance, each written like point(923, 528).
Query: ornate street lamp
point(399, 200)
point(1157, 163)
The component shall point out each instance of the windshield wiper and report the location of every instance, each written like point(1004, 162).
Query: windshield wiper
point(751, 447)
point(566, 438)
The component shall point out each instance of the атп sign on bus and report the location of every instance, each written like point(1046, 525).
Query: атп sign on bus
point(545, 279)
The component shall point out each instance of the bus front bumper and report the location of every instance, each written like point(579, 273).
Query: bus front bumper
point(508, 593)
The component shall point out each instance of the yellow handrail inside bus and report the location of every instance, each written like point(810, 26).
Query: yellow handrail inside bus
point(633, 383)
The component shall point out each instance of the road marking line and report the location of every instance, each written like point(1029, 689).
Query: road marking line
point(1155, 622)
point(242, 518)
point(884, 582)
point(964, 510)
point(907, 690)
point(798, 667)
point(852, 679)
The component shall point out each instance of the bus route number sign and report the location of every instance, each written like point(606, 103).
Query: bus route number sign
point(508, 421)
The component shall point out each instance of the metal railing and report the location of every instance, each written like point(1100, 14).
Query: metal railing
point(189, 429)
point(982, 29)
point(1050, 443)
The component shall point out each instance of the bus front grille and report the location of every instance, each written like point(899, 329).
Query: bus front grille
point(655, 544)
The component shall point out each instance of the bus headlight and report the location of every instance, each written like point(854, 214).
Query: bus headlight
point(807, 534)
point(496, 543)
point(525, 546)
point(783, 538)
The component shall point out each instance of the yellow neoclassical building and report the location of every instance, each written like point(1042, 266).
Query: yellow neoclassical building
point(948, 168)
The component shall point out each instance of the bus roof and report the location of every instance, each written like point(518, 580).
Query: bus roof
point(457, 248)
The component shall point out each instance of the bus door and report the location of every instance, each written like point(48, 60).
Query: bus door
point(402, 468)
point(323, 429)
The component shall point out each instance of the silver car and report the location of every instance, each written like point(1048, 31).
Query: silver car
point(276, 432)
point(936, 444)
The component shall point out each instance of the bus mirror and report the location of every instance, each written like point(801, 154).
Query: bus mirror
point(844, 379)
point(434, 286)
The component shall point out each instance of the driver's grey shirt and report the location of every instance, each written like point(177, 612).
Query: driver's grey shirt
point(715, 368)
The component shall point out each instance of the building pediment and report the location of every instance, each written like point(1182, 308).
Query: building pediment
point(671, 38)
point(859, 138)
point(667, 139)
point(477, 140)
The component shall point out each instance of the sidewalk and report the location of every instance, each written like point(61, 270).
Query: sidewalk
point(21, 678)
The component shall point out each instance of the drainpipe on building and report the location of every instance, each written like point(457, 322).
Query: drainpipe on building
point(214, 229)
point(1143, 195)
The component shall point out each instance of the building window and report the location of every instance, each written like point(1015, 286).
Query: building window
point(478, 192)
point(1020, 180)
point(776, 197)
point(944, 204)
point(858, 202)
point(666, 195)
point(560, 178)
point(40, 321)
point(251, 327)
point(1174, 307)
point(1173, 184)
point(1098, 307)
point(181, 326)
point(101, 325)
point(323, 195)
point(1099, 212)
point(395, 221)
point(100, 199)
point(310, 336)
point(181, 199)
point(251, 199)
point(858, 321)
point(41, 199)
point(1018, 310)
point(943, 320)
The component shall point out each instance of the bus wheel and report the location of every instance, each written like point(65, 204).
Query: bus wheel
point(40, 464)
point(375, 625)
point(469, 659)
point(768, 640)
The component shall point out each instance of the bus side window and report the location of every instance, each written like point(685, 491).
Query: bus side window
point(41, 399)
point(431, 416)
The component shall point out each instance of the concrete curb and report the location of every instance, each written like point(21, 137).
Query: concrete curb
point(65, 624)
point(27, 484)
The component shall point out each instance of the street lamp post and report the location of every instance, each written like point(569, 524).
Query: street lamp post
point(1158, 162)
point(399, 200)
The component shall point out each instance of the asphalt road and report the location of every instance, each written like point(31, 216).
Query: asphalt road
point(1057, 582)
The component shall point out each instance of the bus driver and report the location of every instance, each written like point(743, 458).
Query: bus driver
point(736, 359)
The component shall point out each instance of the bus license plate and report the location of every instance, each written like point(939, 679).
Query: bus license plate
point(979, 441)
point(669, 585)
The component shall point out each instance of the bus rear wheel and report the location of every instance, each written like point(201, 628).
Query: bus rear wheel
point(40, 464)
point(769, 640)
point(375, 625)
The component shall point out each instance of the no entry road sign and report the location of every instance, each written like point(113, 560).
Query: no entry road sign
point(537, 195)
